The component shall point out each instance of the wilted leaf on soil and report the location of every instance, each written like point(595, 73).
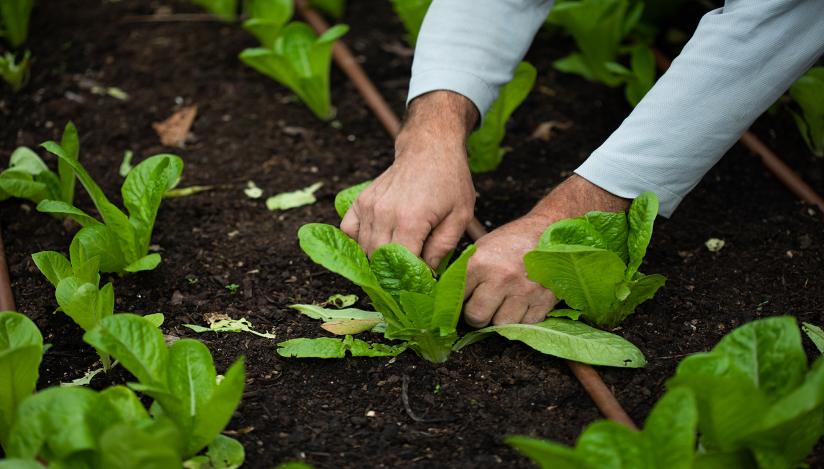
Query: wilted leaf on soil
point(354, 326)
point(345, 300)
point(173, 131)
point(299, 198)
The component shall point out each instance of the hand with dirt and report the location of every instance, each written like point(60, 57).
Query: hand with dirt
point(498, 287)
point(425, 200)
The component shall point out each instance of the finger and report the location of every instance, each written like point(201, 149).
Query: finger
point(379, 238)
point(538, 311)
point(482, 306)
point(411, 236)
point(511, 311)
point(350, 223)
point(444, 238)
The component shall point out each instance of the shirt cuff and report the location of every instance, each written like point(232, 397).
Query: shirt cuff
point(465, 84)
point(615, 178)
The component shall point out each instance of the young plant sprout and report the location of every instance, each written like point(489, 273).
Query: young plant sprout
point(484, 145)
point(121, 242)
point(232, 288)
point(598, 27)
point(14, 20)
point(29, 178)
point(808, 92)
point(301, 61)
point(267, 19)
point(14, 72)
point(411, 13)
point(79, 427)
point(591, 263)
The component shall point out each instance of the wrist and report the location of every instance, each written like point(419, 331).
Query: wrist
point(576, 197)
point(447, 115)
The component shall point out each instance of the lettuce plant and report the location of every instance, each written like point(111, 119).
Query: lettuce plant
point(483, 145)
point(181, 378)
point(77, 291)
point(78, 427)
point(808, 92)
point(751, 399)
point(411, 13)
point(21, 349)
point(758, 406)
point(423, 311)
point(28, 177)
point(121, 242)
point(334, 8)
point(223, 8)
point(667, 441)
point(418, 309)
point(598, 27)
point(267, 19)
point(301, 61)
point(14, 20)
point(13, 72)
point(591, 263)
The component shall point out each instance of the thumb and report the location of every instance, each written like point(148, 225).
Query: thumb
point(444, 238)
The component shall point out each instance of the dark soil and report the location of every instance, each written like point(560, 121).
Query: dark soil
point(348, 413)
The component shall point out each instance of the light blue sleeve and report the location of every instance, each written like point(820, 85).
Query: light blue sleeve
point(740, 60)
point(472, 47)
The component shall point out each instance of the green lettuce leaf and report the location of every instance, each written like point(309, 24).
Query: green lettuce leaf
point(346, 197)
point(398, 270)
point(267, 19)
point(21, 350)
point(641, 216)
point(568, 339)
point(327, 347)
point(483, 145)
point(582, 276)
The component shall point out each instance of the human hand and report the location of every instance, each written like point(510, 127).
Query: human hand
point(497, 285)
point(425, 200)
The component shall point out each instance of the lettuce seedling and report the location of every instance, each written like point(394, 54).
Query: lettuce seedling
point(301, 61)
point(267, 19)
point(77, 292)
point(808, 92)
point(411, 13)
point(121, 242)
point(591, 263)
point(756, 399)
point(78, 427)
point(333, 8)
point(181, 379)
point(598, 27)
point(28, 177)
point(417, 308)
point(14, 72)
point(225, 9)
point(484, 145)
point(558, 337)
point(667, 441)
point(21, 349)
point(14, 20)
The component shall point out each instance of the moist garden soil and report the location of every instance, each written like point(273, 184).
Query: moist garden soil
point(349, 412)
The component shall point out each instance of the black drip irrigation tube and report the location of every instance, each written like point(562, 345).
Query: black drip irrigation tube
point(586, 374)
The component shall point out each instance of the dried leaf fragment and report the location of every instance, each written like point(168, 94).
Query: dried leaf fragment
point(173, 131)
point(544, 130)
point(354, 326)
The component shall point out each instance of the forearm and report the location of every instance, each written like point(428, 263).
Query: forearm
point(473, 47)
point(740, 60)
